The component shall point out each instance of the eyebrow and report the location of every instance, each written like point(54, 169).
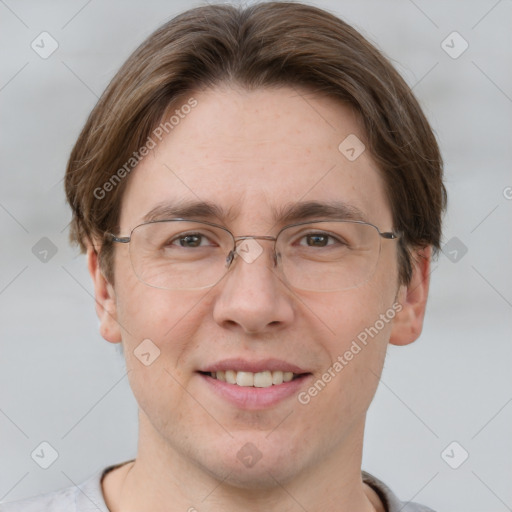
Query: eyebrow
point(187, 210)
point(289, 213)
point(329, 210)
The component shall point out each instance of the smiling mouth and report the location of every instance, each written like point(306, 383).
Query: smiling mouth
point(264, 379)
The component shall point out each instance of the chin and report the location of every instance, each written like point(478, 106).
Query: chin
point(255, 465)
point(249, 481)
point(262, 476)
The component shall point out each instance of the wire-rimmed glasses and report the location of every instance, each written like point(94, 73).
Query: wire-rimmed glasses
point(322, 255)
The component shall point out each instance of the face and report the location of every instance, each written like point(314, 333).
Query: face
point(252, 154)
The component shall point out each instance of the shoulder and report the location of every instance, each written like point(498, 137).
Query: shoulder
point(390, 499)
point(86, 497)
point(63, 499)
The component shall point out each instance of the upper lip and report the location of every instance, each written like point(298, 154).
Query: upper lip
point(261, 365)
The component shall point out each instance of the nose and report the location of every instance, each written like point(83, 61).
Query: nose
point(252, 296)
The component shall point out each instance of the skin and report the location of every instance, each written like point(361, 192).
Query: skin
point(249, 152)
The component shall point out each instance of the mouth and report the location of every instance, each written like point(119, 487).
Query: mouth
point(263, 379)
point(254, 385)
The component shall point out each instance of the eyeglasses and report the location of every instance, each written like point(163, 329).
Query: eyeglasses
point(323, 255)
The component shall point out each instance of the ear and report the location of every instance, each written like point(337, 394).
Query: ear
point(408, 322)
point(105, 299)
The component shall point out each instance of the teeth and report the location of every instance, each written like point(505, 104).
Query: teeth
point(277, 377)
point(263, 379)
point(230, 377)
point(245, 378)
point(287, 376)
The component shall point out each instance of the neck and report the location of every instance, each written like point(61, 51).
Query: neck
point(163, 479)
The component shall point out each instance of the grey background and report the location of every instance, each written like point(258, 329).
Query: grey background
point(61, 383)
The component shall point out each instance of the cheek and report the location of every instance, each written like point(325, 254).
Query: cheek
point(158, 329)
point(150, 313)
point(350, 314)
point(167, 318)
point(360, 323)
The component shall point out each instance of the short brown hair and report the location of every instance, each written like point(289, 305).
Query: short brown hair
point(263, 45)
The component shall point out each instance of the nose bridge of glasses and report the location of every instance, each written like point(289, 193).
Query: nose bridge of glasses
point(249, 253)
point(254, 237)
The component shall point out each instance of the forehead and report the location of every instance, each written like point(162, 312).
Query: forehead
point(256, 154)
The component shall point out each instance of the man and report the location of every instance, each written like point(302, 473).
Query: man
point(259, 196)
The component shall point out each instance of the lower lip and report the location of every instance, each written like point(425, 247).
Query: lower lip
point(251, 398)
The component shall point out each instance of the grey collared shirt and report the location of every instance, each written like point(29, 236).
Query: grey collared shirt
point(88, 497)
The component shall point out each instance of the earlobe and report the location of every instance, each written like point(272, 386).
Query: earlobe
point(105, 299)
point(408, 323)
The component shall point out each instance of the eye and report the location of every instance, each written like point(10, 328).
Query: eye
point(191, 240)
point(317, 240)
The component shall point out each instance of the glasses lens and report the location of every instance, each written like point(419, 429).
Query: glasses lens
point(179, 255)
point(320, 256)
point(328, 256)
